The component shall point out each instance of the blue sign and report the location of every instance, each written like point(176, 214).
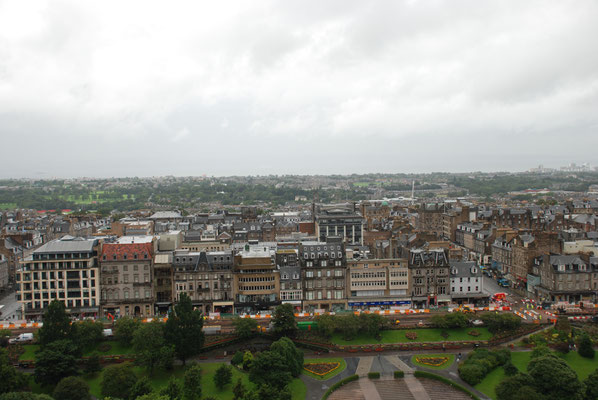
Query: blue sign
point(380, 303)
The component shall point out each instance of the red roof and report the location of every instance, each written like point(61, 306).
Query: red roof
point(132, 251)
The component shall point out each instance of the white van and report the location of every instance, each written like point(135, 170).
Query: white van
point(22, 338)
point(107, 332)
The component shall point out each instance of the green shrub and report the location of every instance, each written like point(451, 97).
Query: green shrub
point(374, 375)
point(399, 374)
point(585, 347)
point(510, 369)
point(237, 358)
point(472, 373)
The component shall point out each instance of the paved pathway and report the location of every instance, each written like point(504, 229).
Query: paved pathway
point(365, 365)
point(368, 389)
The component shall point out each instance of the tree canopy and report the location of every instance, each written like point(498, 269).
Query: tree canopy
point(283, 320)
point(183, 329)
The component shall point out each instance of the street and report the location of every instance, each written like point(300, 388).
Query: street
point(491, 287)
point(10, 308)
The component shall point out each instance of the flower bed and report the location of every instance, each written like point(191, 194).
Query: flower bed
point(411, 335)
point(321, 369)
point(433, 361)
point(474, 333)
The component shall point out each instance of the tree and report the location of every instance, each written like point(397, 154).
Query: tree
point(554, 378)
point(57, 324)
point(148, 342)
point(72, 388)
point(4, 337)
point(140, 388)
point(55, 361)
point(585, 347)
point(237, 358)
point(173, 390)
point(510, 369)
point(10, 378)
point(326, 324)
point(239, 390)
point(590, 385)
point(223, 376)
point(153, 396)
point(270, 368)
point(183, 329)
point(245, 328)
point(472, 373)
point(192, 383)
point(118, 381)
point(273, 393)
point(501, 322)
point(89, 333)
point(517, 387)
point(348, 325)
point(283, 320)
point(540, 351)
point(563, 324)
point(124, 329)
point(24, 396)
point(92, 363)
point(247, 360)
point(294, 357)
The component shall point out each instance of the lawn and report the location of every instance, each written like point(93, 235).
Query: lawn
point(160, 379)
point(423, 335)
point(451, 360)
point(116, 348)
point(29, 353)
point(8, 206)
point(329, 375)
point(582, 366)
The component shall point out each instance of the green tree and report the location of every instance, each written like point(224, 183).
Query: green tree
point(183, 329)
point(148, 342)
point(4, 336)
point(372, 324)
point(501, 322)
point(24, 396)
point(124, 329)
point(192, 383)
point(273, 393)
point(563, 324)
point(540, 351)
point(247, 360)
point(237, 358)
point(590, 385)
point(141, 387)
point(118, 381)
point(57, 324)
point(283, 320)
point(586, 348)
point(92, 363)
point(89, 333)
point(348, 325)
point(245, 328)
point(294, 357)
point(173, 390)
point(72, 388)
point(55, 361)
point(510, 369)
point(472, 373)
point(10, 378)
point(517, 387)
point(270, 368)
point(554, 378)
point(326, 324)
point(153, 396)
point(239, 390)
point(223, 376)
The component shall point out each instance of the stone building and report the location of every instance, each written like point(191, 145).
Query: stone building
point(378, 283)
point(206, 277)
point(467, 283)
point(287, 262)
point(430, 277)
point(256, 280)
point(127, 277)
point(323, 270)
point(567, 278)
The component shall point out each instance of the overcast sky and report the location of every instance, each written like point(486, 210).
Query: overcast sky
point(142, 88)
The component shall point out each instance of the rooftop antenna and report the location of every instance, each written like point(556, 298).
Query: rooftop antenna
point(412, 192)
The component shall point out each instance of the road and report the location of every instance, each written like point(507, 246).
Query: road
point(10, 310)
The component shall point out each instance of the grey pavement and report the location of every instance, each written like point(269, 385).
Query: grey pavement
point(10, 310)
point(316, 388)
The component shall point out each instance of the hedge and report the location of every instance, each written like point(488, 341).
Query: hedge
point(339, 384)
point(374, 375)
point(399, 374)
point(425, 374)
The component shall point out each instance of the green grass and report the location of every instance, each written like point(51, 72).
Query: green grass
point(329, 375)
point(160, 379)
point(582, 366)
point(29, 353)
point(423, 335)
point(451, 360)
point(116, 348)
point(8, 206)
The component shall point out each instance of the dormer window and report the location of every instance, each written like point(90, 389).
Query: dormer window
point(135, 256)
point(561, 268)
point(125, 256)
point(144, 255)
point(114, 257)
point(104, 257)
point(454, 271)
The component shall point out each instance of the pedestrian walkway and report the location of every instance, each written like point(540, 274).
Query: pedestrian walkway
point(400, 364)
point(364, 366)
point(369, 389)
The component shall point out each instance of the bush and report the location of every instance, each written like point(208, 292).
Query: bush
point(72, 388)
point(399, 374)
point(237, 358)
point(117, 381)
point(104, 347)
point(510, 369)
point(223, 376)
point(585, 347)
point(562, 347)
point(540, 351)
point(339, 384)
point(92, 364)
point(374, 375)
point(472, 373)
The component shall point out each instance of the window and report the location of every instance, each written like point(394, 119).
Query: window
point(309, 274)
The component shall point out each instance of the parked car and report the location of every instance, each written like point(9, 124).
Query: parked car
point(107, 332)
point(22, 338)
